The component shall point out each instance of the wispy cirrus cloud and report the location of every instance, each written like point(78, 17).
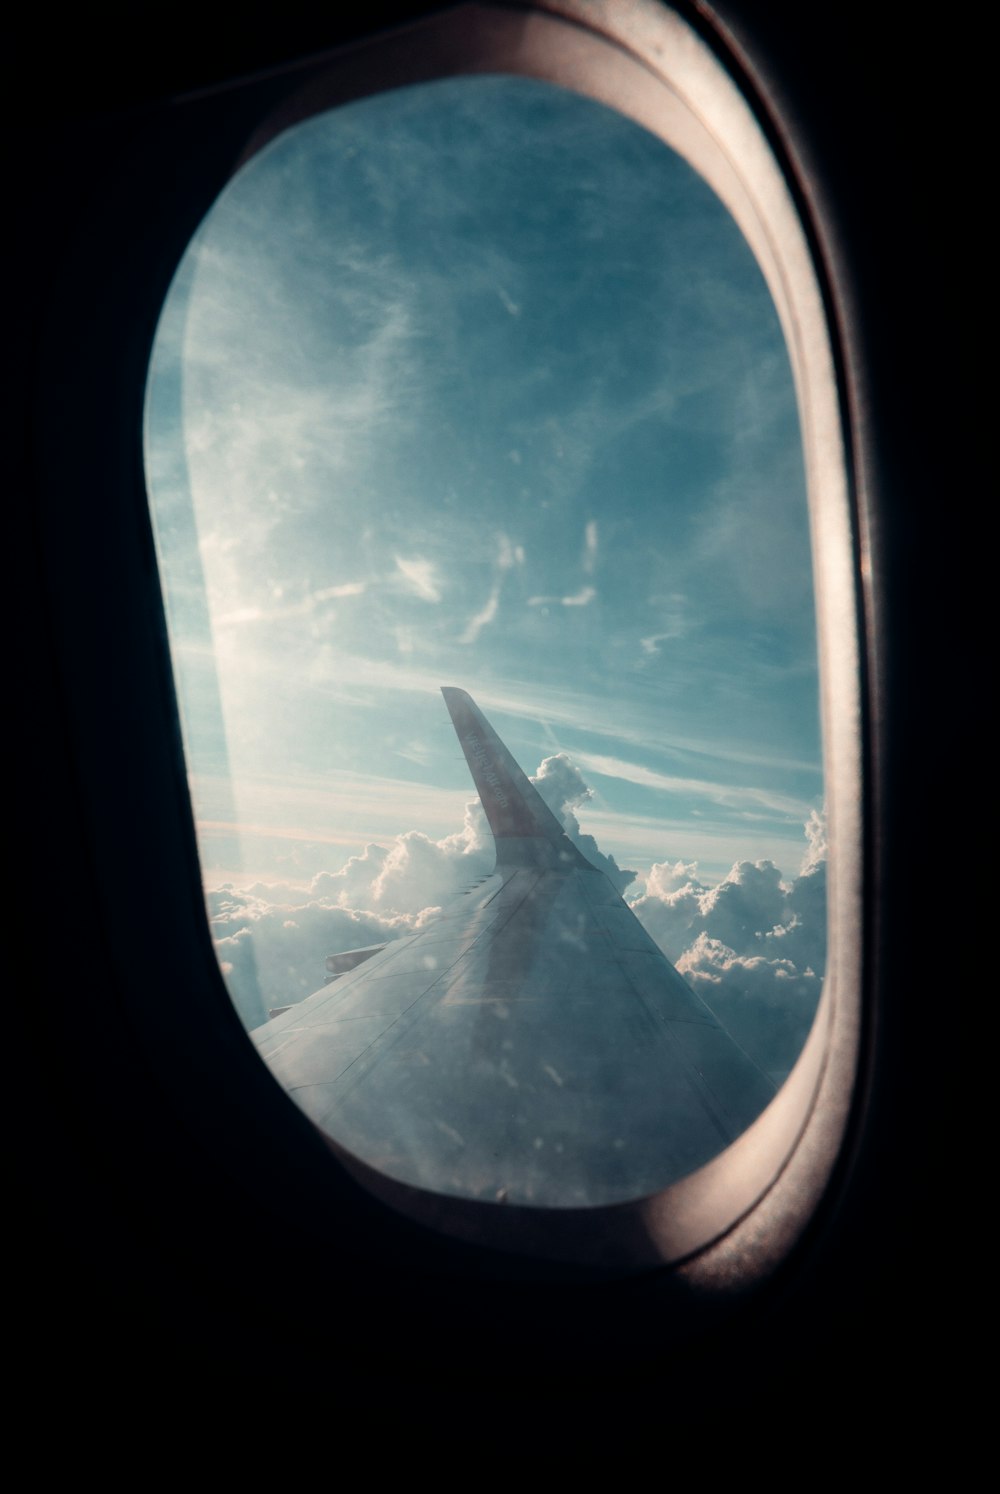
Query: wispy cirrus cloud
point(580, 598)
point(420, 576)
point(734, 796)
point(508, 556)
point(302, 607)
point(589, 546)
point(561, 704)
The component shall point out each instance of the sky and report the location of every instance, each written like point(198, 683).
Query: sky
point(477, 383)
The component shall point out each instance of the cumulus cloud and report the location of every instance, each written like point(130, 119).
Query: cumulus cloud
point(766, 1004)
point(272, 942)
point(816, 836)
point(273, 938)
point(751, 946)
point(562, 786)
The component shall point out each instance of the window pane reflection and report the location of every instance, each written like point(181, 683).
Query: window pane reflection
point(477, 383)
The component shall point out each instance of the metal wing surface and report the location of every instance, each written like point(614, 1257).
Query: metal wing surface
point(533, 1045)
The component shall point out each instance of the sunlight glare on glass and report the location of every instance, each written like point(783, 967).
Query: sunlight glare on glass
point(477, 383)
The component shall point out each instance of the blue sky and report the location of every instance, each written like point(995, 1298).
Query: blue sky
point(477, 383)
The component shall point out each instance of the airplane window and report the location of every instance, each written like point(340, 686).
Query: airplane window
point(477, 384)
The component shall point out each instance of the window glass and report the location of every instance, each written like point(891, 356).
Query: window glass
point(477, 383)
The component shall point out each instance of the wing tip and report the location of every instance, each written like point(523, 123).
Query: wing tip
point(459, 702)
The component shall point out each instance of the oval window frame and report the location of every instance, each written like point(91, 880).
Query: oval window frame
point(752, 1201)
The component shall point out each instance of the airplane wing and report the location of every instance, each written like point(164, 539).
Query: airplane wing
point(533, 1045)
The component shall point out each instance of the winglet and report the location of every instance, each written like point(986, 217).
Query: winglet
point(515, 809)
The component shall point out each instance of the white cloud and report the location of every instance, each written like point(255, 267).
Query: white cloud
point(420, 576)
point(590, 545)
point(752, 945)
point(508, 556)
point(301, 607)
point(275, 959)
point(510, 306)
point(343, 671)
point(736, 796)
point(767, 1005)
point(651, 645)
point(562, 786)
point(580, 598)
point(485, 615)
point(817, 839)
